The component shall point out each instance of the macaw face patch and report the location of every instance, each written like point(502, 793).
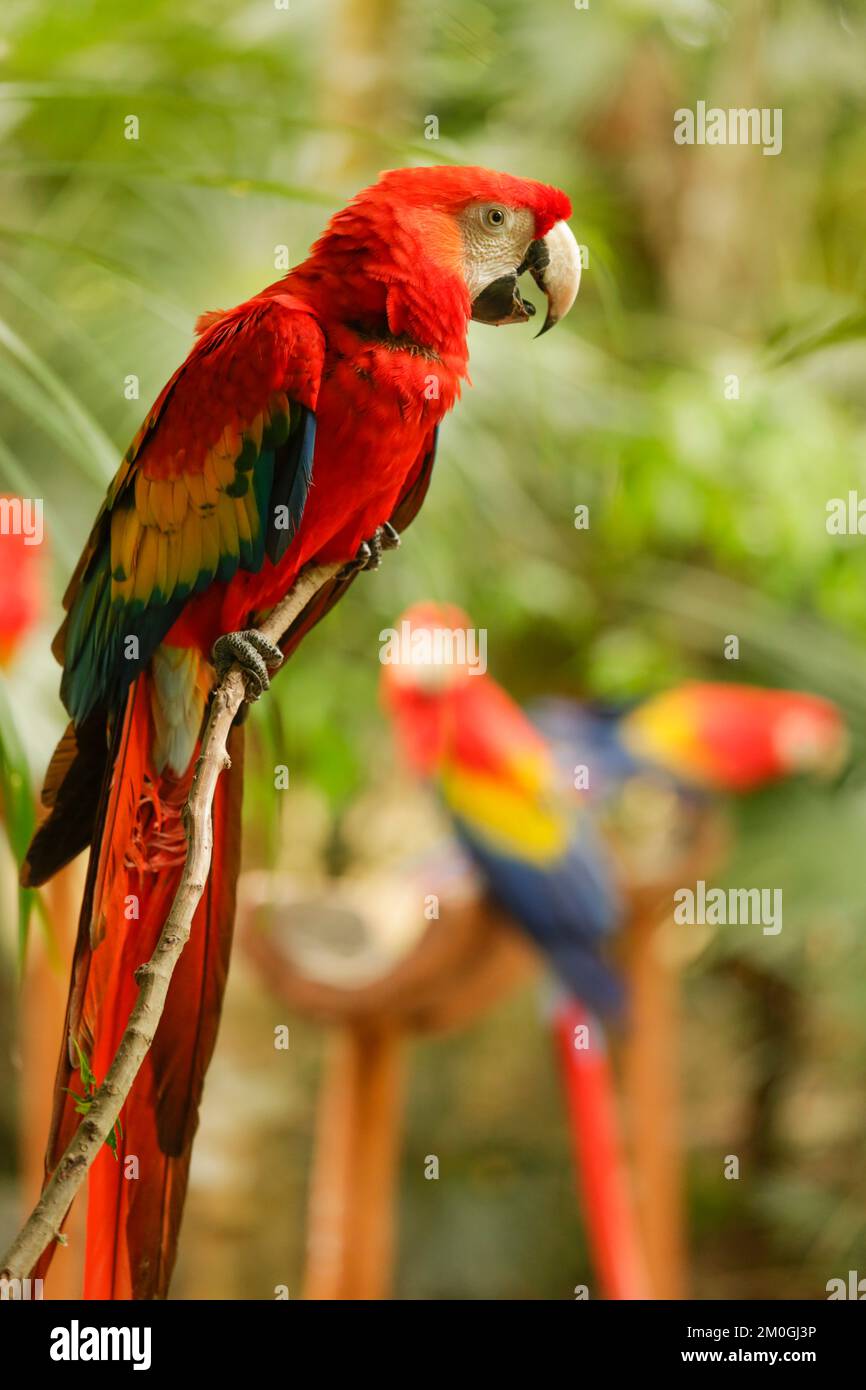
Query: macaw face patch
point(499, 245)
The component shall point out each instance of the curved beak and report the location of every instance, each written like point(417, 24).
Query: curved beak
point(554, 264)
point(555, 268)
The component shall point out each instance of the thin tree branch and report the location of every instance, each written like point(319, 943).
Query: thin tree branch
point(154, 977)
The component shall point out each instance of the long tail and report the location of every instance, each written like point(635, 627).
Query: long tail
point(136, 1194)
point(598, 1154)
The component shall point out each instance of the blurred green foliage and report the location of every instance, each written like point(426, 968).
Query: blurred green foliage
point(707, 513)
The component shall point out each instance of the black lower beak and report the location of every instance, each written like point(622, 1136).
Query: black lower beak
point(554, 263)
point(501, 302)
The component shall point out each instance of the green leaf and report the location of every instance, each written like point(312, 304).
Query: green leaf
point(35, 389)
point(851, 328)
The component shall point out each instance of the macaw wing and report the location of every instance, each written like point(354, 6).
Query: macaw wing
point(567, 906)
point(215, 481)
point(404, 513)
point(522, 839)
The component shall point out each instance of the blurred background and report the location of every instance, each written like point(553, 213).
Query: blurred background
point(707, 518)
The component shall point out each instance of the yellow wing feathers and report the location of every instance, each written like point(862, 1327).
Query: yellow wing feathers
point(169, 533)
point(517, 810)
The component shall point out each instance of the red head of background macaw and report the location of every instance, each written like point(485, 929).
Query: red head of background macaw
point(537, 854)
point(300, 428)
point(711, 737)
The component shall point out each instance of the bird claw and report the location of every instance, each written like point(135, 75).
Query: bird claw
point(253, 652)
point(390, 537)
point(362, 560)
point(369, 556)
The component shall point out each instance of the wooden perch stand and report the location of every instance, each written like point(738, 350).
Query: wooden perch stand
point(459, 967)
point(652, 1047)
point(455, 969)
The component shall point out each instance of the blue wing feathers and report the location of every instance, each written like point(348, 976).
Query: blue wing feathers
point(568, 908)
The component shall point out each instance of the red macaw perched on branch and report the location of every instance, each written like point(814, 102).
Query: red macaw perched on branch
point(301, 428)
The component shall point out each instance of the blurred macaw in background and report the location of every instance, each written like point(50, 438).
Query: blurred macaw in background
point(708, 737)
point(301, 428)
point(650, 775)
point(503, 779)
point(541, 859)
point(537, 854)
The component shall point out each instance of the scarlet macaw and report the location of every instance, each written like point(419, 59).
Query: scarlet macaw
point(693, 743)
point(301, 428)
point(538, 856)
point(495, 775)
point(704, 736)
point(500, 777)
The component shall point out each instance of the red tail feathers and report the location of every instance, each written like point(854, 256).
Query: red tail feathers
point(598, 1154)
point(135, 1199)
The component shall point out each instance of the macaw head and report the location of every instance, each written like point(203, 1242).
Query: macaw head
point(808, 733)
point(425, 664)
point(451, 243)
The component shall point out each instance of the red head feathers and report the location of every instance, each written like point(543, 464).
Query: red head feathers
point(423, 250)
point(443, 704)
point(451, 188)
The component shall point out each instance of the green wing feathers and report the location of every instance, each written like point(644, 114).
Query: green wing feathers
point(162, 540)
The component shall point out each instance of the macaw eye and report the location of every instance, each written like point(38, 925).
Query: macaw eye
point(494, 218)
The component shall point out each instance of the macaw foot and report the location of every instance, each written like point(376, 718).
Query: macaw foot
point(369, 556)
point(253, 652)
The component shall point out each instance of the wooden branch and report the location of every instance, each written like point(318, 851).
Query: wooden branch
point(154, 977)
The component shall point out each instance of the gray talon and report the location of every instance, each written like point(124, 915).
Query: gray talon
point(374, 545)
point(361, 561)
point(369, 556)
point(253, 652)
point(369, 553)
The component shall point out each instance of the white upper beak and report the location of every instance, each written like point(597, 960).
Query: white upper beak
point(560, 278)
